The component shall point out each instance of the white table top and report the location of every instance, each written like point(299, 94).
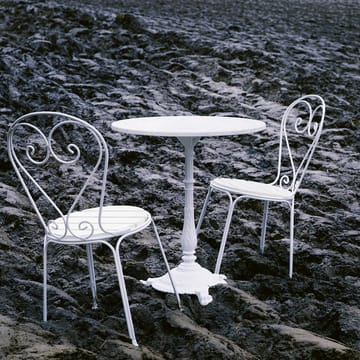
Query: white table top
point(188, 126)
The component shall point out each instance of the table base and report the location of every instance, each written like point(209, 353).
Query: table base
point(189, 278)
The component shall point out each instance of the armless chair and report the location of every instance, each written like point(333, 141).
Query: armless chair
point(303, 118)
point(50, 147)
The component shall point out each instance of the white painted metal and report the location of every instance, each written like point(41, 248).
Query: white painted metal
point(75, 226)
point(192, 126)
point(189, 276)
point(305, 116)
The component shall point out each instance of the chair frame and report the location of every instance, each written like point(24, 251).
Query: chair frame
point(86, 228)
point(303, 124)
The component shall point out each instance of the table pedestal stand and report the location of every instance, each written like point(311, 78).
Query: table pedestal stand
point(189, 277)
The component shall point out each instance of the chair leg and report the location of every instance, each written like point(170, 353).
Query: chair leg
point(124, 297)
point(90, 260)
point(45, 280)
point(167, 265)
point(202, 214)
point(263, 226)
point(225, 234)
point(291, 239)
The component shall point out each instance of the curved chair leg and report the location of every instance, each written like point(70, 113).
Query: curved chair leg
point(225, 234)
point(202, 214)
point(291, 239)
point(167, 265)
point(263, 226)
point(45, 280)
point(124, 297)
point(90, 260)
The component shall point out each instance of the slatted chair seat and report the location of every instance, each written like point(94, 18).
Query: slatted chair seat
point(253, 189)
point(88, 225)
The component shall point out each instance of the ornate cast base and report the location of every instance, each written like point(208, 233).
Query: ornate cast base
point(189, 278)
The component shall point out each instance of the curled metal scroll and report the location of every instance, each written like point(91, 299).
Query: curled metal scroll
point(73, 149)
point(285, 182)
point(83, 230)
point(311, 126)
point(30, 149)
point(309, 123)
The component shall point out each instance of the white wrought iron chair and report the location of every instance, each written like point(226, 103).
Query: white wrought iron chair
point(42, 139)
point(305, 116)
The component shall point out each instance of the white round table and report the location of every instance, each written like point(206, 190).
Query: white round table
point(189, 277)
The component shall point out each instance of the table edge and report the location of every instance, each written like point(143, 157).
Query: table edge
point(262, 126)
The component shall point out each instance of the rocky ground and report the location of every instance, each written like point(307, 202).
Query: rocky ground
point(109, 60)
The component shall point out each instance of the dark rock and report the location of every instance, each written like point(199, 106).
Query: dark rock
point(110, 60)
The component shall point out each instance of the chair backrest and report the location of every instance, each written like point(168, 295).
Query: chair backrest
point(62, 163)
point(301, 127)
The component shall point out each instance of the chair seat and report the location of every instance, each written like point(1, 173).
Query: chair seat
point(252, 189)
point(84, 225)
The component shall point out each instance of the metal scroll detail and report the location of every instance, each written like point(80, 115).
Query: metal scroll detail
point(40, 149)
point(302, 119)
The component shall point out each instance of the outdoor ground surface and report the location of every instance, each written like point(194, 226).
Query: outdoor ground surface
point(110, 60)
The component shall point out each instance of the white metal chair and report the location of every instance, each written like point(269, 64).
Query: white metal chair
point(39, 140)
point(305, 116)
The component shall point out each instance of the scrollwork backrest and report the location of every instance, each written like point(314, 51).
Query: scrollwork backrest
point(59, 154)
point(300, 131)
